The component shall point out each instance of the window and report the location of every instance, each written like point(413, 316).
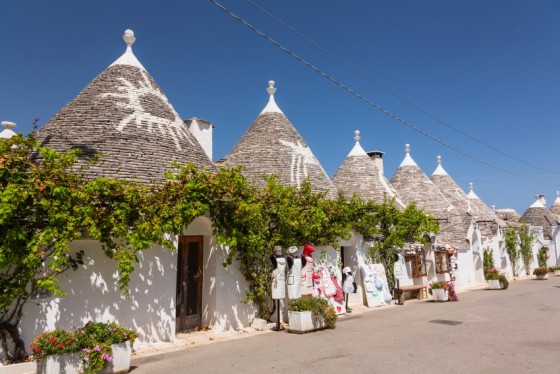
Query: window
point(443, 264)
point(417, 263)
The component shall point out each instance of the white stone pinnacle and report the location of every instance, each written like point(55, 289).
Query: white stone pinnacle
point(128, 57)
point(357, 150)
point(271, 107)
point(408, 161)
point(128, 37)
point(439, 169)
point(7, 133)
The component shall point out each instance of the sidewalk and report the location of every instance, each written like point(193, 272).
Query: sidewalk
point(192, 339)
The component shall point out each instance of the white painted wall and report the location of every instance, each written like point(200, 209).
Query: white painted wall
point(92, 294)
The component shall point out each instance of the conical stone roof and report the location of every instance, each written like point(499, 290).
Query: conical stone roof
point(538, 215)
point(124, 115)
point(359, 175)
point(272, 146)
point(555, 208)
point(489, 220)
point(413, 185)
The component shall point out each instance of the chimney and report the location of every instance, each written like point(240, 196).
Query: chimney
point(202, 131)
point(377, 157)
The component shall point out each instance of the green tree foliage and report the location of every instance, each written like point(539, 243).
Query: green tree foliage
point(390, 229)
point(526, 240)
point(254, 221)
point(488, 260)
point(512, 248)
point(542, 257)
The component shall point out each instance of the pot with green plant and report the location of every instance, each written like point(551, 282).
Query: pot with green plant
point(95, 348)
point(310, 313)
point(439, 291)
point(555, 269)
point(496, 281)
point(541, 272)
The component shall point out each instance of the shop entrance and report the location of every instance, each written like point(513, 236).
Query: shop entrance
point(189, 282)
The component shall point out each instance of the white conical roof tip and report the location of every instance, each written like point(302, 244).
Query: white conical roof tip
point(439, 160)
point(271, 107)
point(357, 135)
point(128, 37)
point(407, 148)
point(271, 89)
point(8, 124)
point(471, 186)
point(128, 57)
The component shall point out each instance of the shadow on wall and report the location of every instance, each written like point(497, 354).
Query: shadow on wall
point(228, 290)
point(92, 294)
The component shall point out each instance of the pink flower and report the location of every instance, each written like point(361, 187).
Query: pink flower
point(108, 358)
point(97, 349)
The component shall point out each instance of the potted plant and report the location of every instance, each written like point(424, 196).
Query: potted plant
point(310, 313)
point(94, 348)
point(541, 272)
point(439, 291)
point(496, 281)
point(555, 269)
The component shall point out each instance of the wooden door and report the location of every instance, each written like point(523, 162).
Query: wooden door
point(189, 282)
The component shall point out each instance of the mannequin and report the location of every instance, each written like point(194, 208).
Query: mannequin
point(294, 273)
point(307, 270)
point(278, 281)
point(348, 286)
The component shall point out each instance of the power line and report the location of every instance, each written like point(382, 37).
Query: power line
point(369, 102)
point(393, 93)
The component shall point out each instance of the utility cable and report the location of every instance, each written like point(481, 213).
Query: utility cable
point(369, 102)
point(393, 93)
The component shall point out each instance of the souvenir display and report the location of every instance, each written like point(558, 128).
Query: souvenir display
point(294, 273)
point(307, 271)
point(376, 289)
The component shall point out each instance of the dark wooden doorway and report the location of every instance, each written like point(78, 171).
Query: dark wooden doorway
point(189, 282)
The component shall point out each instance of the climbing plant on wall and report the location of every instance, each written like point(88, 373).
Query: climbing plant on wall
point(526, 239)
point(512, 249)
point(390, 229)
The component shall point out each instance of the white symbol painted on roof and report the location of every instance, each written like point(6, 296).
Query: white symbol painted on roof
point(140, 116)
point(301, 157)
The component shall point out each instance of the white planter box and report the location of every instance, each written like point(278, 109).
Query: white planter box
point(440, 294)
point(71, 363)
point(542, 277)
point(557, 273)
point(121, 359)
point(301, 322)
point(494, 284)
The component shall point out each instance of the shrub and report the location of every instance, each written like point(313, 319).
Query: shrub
point(54, 342)
point(554, 268)
point(437, 285)
point(317, 306)
point(93, 341)
point(503, 280)
point(492, 274)
point(540, 271)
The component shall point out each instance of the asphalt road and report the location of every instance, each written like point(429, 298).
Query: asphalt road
point(487, 331)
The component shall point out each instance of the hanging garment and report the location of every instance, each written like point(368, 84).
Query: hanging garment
point(348, 284)
point(327, 284)
point(279, 279)
point(294, 279)
point(307, 277)
point(339, 295)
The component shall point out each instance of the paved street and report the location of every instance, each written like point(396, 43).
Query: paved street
point(513, 331)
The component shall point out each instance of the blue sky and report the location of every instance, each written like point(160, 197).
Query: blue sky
point(491, 69)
